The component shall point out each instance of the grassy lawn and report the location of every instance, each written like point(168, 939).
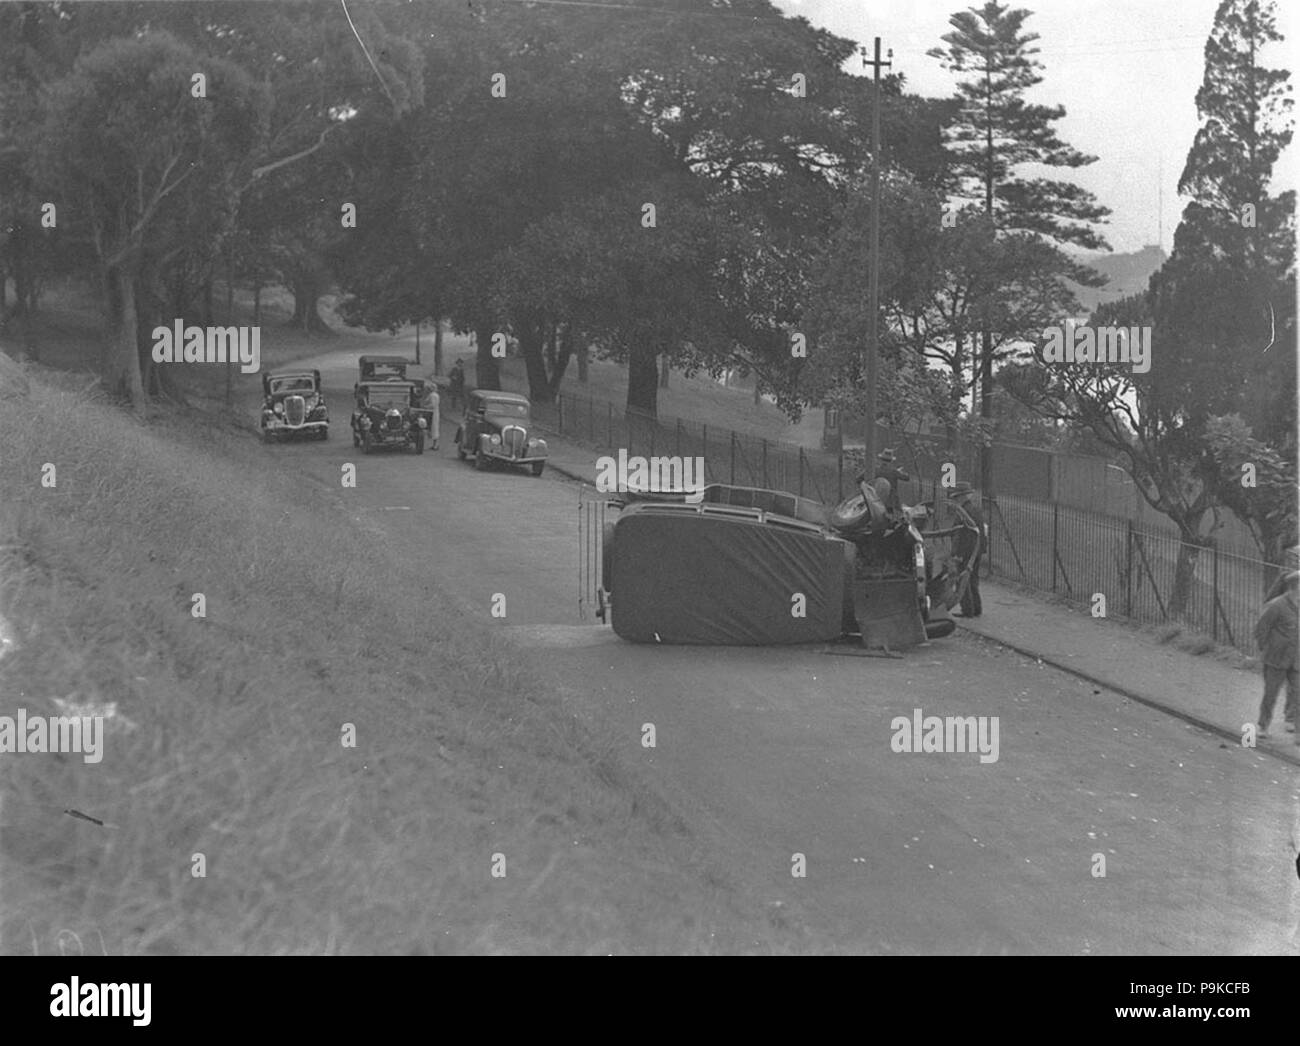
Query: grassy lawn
point(224, 734)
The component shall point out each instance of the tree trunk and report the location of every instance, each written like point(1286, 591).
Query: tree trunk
point(306, 317)
point(958, 389)
point(437, 345)
point(126, 378)
point(1189, 554)
point(582, 363)
point(487, 369)
point(563, 354)
point(986, 411)
point(207, 301)
point(664, 370)
point(643, 381)
point(532, 343)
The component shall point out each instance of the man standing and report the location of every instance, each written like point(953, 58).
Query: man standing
point(1278, 636)
point(889, 470)
point(456, 383)
point(967, 544)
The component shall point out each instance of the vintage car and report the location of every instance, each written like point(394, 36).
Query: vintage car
point(383, 368)
point(384, 417)
point(747, 566)
point(394, 368)
point(497, 427)
point(293, 403)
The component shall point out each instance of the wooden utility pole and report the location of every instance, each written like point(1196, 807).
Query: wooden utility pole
point(873, 275)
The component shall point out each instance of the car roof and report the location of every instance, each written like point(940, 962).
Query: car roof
point(385, 384)
point(385, 359)
point(505, 397)
point(292, 374)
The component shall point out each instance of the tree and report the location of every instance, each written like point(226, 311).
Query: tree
point(996, 131)
point(123, 134)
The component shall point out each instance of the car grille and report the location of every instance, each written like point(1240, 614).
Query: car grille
point(295, 409)
point(393, 422)
point(513, 440)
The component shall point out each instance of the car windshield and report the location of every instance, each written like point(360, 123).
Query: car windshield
point(506, 408)
point(298, 384)
point(388, 396)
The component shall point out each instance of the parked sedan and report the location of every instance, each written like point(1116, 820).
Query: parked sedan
point(498, 427)
point(293, 404)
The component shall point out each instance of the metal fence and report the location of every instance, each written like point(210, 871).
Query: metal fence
point(1051, 546)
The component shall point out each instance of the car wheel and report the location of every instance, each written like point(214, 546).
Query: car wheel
point(365, 443)
point(537, 467)
point(356, 438)
point(419, 441)
point(460, 450)
point(266, 435)
point(852, 515)
point(481, 461)
point(324, 432)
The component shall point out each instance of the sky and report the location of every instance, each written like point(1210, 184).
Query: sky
point(1126, 72)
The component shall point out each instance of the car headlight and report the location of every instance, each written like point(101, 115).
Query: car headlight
point(365, 423)
point(423, 423)
point(495, 440)
point(278, 408)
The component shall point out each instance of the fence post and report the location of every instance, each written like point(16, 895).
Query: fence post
point(733, 457)
point(560, 405)
point(1214, 606)
point(765, 483)
point(1056, 516)
point(1128, 570)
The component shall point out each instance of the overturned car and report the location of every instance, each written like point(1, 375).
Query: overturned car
point(748, 566)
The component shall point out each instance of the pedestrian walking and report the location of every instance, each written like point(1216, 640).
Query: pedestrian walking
point(1277, 634)
point(967, 544)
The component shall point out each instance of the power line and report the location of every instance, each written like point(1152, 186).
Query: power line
point(365, 51)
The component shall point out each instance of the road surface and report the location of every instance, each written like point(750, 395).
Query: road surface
point(785, 752)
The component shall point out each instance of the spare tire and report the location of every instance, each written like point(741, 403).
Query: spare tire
point(858, 513)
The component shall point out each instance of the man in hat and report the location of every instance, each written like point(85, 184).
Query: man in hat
point(1278, 634)
point(892, 473)
point(966, 544)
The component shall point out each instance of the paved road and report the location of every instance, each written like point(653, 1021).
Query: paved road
point(787, 751)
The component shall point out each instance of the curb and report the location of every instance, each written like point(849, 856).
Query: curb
point(1133, 695)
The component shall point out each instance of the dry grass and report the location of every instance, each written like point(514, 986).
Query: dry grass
point(226, 741)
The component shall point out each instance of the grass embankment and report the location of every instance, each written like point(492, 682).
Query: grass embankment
point(226, 737)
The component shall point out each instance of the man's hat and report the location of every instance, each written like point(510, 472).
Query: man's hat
point(887, 455)
point(962, 489)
